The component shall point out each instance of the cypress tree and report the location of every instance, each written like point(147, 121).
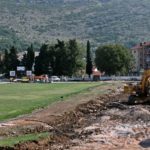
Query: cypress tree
point(24, 60)
point(6, 62)
point(13, 59)
point(29, 58)
point(42, 61)
point(89, 65)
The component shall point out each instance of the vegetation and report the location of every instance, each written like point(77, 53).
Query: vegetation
point(28, 59)
point(62, 58)
point(42, 61)
point(10, 61)
point(100, 21)
point(113, 59)
point(68, 58)
point(89, 66)
point(11, 141)
point(18, 99)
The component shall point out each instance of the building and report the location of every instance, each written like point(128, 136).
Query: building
point(20, 54)
point(96, 74)
point(141, 53)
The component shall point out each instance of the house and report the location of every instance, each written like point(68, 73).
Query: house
point(141, 54)
point(20, 54)
point(96, 74)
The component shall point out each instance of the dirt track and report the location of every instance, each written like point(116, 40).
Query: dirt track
point(99, 122)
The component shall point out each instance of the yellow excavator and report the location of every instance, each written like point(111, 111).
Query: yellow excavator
point(139, 92)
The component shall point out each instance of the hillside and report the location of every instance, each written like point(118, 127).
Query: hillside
point(101, 21)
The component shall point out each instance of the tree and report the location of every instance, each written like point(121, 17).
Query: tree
point(10, 61)
point(24, 60)
point(72, 54)
point(89, 65)
point(42, 61)
point(68, 58)
point(13, 59)
point(113, 59)
point(37, 67)
point(52, 59)
point(60, 58)
point(1, 63)
point(6, 62)
point(29, 58)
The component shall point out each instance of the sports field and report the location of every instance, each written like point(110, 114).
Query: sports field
point(18, 98)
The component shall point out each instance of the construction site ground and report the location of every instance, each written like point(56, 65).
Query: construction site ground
point(99, 119)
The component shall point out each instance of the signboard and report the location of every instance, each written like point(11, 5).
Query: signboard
point(12, 73)
point(29, 73)
point(20, 68)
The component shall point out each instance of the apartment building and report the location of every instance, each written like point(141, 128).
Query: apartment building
point(141, 53)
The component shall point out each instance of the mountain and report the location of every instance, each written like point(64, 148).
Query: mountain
point(101, 21)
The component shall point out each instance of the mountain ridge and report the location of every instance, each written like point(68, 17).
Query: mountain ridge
point(101, 21)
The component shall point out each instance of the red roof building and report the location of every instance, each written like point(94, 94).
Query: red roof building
point(141, 53)
point(96, 74)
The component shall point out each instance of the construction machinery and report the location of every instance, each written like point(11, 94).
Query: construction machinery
point(139, 92)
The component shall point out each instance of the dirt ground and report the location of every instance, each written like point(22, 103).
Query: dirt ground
point(91, 121)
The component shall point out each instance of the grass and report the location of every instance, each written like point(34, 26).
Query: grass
point(11, 141)
point(18, 99)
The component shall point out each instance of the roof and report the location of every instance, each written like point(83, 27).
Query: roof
point(96, 72)
point(20, 54)
point(140, 45)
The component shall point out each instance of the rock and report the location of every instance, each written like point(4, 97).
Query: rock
point(105, 118)
point(140, 114)
point(145, 143)
point(122, 131)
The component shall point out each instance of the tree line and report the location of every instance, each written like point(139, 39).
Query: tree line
point(61, 58)
point(69, 58)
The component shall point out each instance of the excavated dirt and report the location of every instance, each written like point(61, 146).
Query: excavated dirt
point(105, 122)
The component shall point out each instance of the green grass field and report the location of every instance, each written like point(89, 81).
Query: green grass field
point(11, 141)
point(18, 99)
